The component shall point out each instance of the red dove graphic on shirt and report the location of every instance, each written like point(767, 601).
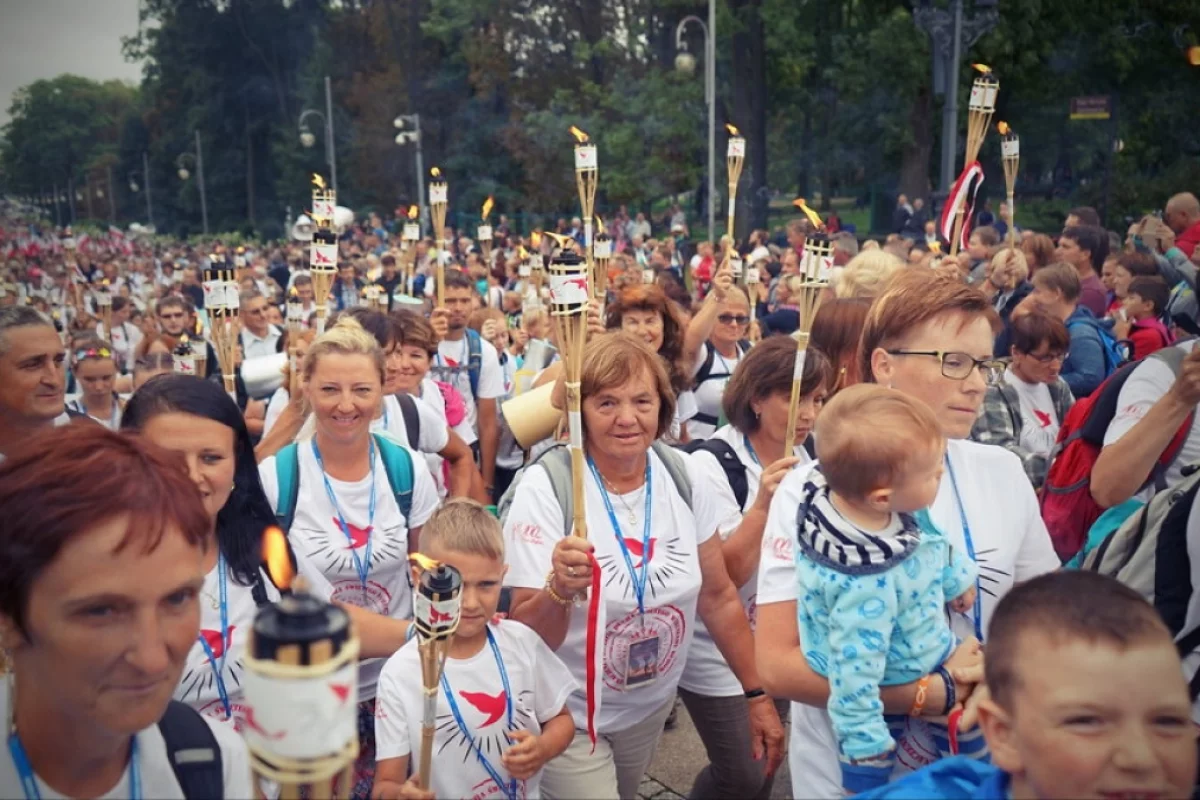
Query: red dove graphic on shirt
point(342, 690)
point(253, 725)
point(450, 362)
point(635, 551)
point(213, 638)
point(358, 536)
point(493, 707)
point(1042, 417)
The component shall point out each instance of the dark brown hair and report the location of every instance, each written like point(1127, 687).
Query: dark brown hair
point(651, 297)
point(765, 370)
point(914, 297)
point(836, 332)
point(1153, 290)
point(1071, 605)
point(1039, 251)
point(63, 481)
point(1030, 330)
point(1138, 264)
point(414, 330)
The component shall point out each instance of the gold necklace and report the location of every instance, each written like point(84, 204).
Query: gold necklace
point(621, 500)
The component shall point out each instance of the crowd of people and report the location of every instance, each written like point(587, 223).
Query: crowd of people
point(912, 596)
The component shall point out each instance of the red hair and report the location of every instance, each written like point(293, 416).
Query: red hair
point(62, 481)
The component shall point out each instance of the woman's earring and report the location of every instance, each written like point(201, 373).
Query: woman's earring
point(233, 486)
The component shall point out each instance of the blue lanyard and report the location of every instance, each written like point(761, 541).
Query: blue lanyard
point(510, 790)
point(29, 780)
point(363, 566)
point(966, 527)
point(219, 669)
point(750, 448)
point(639, 581)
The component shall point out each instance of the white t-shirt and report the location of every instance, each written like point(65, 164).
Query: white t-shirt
point(1039, 420)
point(707, 672)
point(1011, 545)
point(685, 409)
point(708, 394)
point(450, 365)
point(254, 346)
point(318, 540)
point(154, 767)
point(275, 408)
point(1146, 386)
point(538, 681)
point(125, 339)
point(535, 524)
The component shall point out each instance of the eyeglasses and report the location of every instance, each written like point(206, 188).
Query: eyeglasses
point(1048, 357)
point(959, 366)
point(733, 319)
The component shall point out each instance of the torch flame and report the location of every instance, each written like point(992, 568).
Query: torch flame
point(535, 240)
point(241, 250)
point(522, 253)
point(733, 131)
point(560, 240)
point(293, 296)
point(426, 563)
point(318, 181)
point(435, 172)
point(984, 68)
point(487, 207)
point(579, 135)
point(1003, 127)
point(413, 212)
point(183, 338)
point(600, 225)
point(813, 216)
point(275, 554)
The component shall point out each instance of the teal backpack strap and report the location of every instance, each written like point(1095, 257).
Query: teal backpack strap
point(676, 467)
point(287, 475)
point(397, 463)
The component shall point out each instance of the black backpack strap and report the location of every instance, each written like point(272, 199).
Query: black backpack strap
point(412, 419)
point(706, 367)
point(735, 470)
point(193, 752)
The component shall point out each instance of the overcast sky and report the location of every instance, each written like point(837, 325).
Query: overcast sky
point(45, 38)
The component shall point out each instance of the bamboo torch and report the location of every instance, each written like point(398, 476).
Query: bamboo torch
point(752, 279)
point(411, 235)
point(439, 195)
point(223, 304)
point(735, 157)
point(301, 688)
point(586, 174)
point(437, 607)
point(323, 258)
point(1010, 151)
point(183, 358)
point(295, 319)
point(815, 272)
point(102, 295)
point(239, 264)
point(979, 116)
point(484, 232)
point(602, 254)
point(568, 312)
point(537, 264)
point(77, 279)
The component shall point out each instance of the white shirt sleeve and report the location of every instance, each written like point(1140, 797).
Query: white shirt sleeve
point(235, 759)
point(1036, 554)
point(270, 482)
point(554, 682)
point(777, 564)
point(533, 527)
point(708, 514)
point(491, 378)
point(435, 434)
point(275, 408)
point(1149, 382)
point(425, 494)
point(686, 406)
point(391, 717)
point(725, 506)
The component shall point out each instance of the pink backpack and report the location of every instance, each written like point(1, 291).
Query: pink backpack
point(456, 407)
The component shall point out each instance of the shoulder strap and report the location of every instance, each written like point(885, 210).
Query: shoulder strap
point(474, 360)
point(287, 475)
point(810, 446)
point(705, 368)
point(412, 419)
point(193, 751)
point(676, 467)
point(397, 463)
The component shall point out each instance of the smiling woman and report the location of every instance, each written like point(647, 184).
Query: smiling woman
point(101, 564)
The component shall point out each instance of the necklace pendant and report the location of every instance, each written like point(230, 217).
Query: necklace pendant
point(632, 517)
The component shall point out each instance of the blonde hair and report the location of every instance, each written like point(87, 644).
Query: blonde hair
point(346, 338)
point(868, 434)
point(867, 274)
point(464, 526)
point(1020, 264)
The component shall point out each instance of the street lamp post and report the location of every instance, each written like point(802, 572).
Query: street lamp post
point(308, 139)
point(198, 160)
point(413, 136)
point(686, 62)
point(144, 174)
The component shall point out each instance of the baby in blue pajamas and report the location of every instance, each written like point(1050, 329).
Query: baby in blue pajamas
point(875, 574)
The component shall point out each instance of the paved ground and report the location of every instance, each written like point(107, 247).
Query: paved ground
point(680, 756)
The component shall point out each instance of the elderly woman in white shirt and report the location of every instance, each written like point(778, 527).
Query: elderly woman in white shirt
point(931, 336)
point(651, 520)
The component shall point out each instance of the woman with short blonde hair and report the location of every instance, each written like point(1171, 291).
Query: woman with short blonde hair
point(867, 274)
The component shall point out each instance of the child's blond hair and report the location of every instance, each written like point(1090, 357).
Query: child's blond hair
point(464, 526)
point(868, 434)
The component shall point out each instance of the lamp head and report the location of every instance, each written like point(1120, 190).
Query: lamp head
point(183, 173)
point(133, 187)
point(398, 122)
point(307, 139)
point(685, 62)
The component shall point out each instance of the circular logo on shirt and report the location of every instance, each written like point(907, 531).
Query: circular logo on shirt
point(375, 597)
point(667, 623)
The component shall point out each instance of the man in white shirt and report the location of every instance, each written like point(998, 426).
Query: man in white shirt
point(32, 379)
point(259, 337)
point(1151, 407)
point(453, 365)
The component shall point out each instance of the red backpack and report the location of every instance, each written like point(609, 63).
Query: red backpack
point(1067, 505)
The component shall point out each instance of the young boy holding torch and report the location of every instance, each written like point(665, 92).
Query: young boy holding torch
point(502, 703)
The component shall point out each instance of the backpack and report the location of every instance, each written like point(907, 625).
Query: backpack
point(397, 463)
point(735, 470)
point(1116, 353)
point(1149, 554)
point(193, 751)
point(706, 373)
point(1067, 506)
point(474, 360)
point(412, 419)
point(557, 463)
